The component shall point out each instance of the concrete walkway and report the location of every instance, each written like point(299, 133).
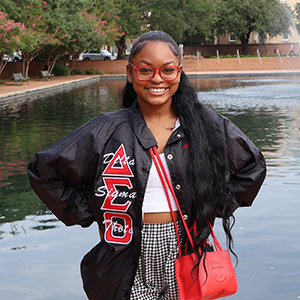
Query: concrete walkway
point(11, 94)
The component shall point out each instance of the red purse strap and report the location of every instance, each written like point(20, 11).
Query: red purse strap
point(166, 182)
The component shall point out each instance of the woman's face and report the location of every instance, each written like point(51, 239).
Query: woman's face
point(156, 91)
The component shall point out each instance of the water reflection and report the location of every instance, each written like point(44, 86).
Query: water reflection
point(35, 125)
point(266, 109)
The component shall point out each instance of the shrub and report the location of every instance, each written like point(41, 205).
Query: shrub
point(60, 70)
point(93, 72)
point(78, 72)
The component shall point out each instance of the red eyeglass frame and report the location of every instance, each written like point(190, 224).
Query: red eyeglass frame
point(179, 68)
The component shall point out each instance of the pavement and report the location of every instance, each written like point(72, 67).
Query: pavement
point(10, 88)
point(12, 94)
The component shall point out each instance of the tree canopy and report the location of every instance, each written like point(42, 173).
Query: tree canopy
point(51, 29)
point(243, 17)
point(58, 26)
point(129, 16)
point(181, 18)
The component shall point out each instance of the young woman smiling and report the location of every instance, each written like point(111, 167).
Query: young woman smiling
point(103, 172)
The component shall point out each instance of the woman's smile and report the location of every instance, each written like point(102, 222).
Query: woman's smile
point(157, 91)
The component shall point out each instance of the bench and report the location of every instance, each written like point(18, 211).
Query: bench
point(46, 75)
point(19, 79)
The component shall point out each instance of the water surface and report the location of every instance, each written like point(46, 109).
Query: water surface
point(39, 256)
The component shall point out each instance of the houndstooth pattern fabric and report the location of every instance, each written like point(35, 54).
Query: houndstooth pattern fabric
point(155, 277)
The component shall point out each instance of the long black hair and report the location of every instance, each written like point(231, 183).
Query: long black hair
point(209, 159)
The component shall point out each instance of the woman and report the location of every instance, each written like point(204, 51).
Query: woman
point(103, 172)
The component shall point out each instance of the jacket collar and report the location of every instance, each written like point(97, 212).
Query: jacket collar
point(143, 133)
point(140, 128)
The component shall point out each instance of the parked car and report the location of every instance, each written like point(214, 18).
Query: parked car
point(95, 55)
point(15, 57)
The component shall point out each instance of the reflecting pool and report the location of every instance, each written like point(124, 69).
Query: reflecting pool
point(39, 256)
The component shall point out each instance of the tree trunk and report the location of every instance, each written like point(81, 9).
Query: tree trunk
point(52, 64)
point(121, 45)
point(244, 46)
point(27, 59)
point(245, 41)
point(75, 56)
point(26, 64)
point(73, 63)
point(2, 65)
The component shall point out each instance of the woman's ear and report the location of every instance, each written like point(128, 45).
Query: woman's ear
point(180, 72)
point(129, 73)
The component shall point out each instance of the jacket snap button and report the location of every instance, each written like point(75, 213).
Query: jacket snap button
point(170, 156)
point(179, 135)
point(178, 187)
point(185, 217)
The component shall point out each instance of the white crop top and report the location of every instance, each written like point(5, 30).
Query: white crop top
point(155, 199)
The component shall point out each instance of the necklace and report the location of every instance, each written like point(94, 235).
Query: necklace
point(171, 127)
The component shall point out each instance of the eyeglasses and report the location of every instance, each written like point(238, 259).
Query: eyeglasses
point(167, 73)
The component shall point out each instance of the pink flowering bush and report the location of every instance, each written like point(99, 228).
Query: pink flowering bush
point(52, 32)
point(10, 32)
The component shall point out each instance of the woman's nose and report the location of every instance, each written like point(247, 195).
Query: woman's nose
point(156, 76)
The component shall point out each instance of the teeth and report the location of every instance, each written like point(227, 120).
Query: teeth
point(157, 89)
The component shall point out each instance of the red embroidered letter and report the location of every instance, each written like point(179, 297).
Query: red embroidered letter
point(112, 193)
point(118, 166)
point(118, 228)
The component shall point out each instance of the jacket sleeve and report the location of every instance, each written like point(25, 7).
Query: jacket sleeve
point(62, 175)
point(247, 166)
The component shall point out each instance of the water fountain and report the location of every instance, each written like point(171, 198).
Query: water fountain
point(293, 24)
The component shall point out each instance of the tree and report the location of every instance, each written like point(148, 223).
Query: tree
point(34, 38)
point(199, 17)
point(9, 37)
point(242, 17)
point(97, 30)
point(176, 17)
point(76, 27)
point(130, 16)
point(14, 9)
point(55, 28)
point(167, 16)
point(180, 18)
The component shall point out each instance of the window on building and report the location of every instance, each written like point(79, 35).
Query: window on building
point(232, 38)
point(285, 36)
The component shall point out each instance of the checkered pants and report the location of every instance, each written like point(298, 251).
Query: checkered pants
point(155, 277)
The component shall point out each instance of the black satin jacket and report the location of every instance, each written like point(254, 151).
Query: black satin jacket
point(99, 173)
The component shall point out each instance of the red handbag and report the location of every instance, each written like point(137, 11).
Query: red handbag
point(217, 279)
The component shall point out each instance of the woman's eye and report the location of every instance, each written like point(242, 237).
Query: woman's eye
point(168, 70)
point(145, 70)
